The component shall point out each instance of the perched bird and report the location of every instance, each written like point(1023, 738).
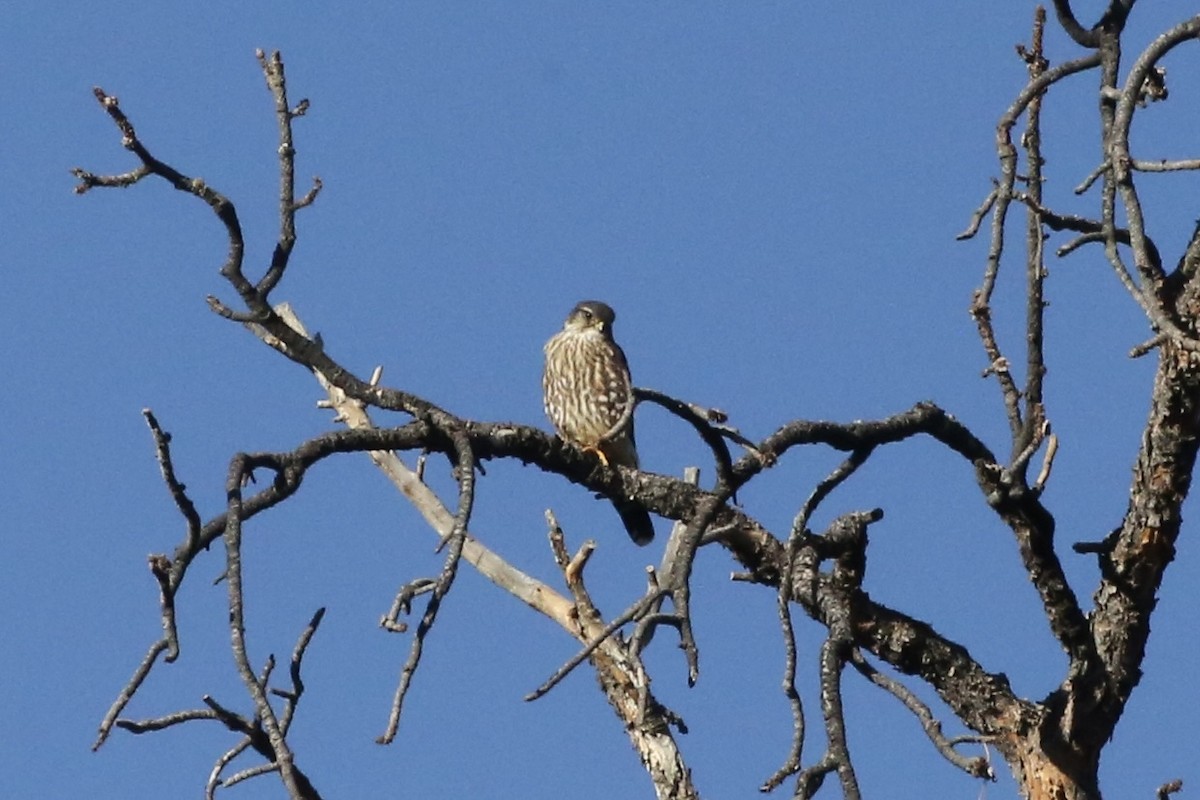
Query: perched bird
point(588, 395)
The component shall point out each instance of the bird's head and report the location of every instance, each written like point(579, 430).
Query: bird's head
point(591, 315)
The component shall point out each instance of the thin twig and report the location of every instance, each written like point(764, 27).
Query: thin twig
point(445, 580)
point(1168, 789)
point(979, 214)
point(129, 690)
point(977, 766)
point(273, 71)
point(631, 613)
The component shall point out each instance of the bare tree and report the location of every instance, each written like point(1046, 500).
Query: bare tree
point(1052, 745)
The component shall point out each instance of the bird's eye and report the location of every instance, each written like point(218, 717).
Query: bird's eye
point(587, 314)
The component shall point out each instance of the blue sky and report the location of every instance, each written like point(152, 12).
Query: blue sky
point(768, 195)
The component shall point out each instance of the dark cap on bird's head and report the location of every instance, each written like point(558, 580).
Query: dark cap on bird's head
point(591, 314)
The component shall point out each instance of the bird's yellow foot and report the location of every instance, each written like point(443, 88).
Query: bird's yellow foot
point(598, 452)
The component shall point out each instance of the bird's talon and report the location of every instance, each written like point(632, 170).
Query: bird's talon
point(598, 453)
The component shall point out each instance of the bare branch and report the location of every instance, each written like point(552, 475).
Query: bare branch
point(162, 450)
point(440, 588)
point(976, 767)
point(272, 68)
point(1163, 165)
point(633, 612)
point(832, 599)
point(240, 467)
point(1066, 18)
point(1093, 176)
point(88, 180)
point(980, 213)
point(162, 723)
point(1120, 157)
point(1047, 463)
point(193, 186)
point(1147, 346)
point(838, 753)
point(980, 310)
point(128, 691)
point(292, 696)
point(1035, 267)
point(1169, 788)
point(403, 603)
point(798, 535)
point(226, 758)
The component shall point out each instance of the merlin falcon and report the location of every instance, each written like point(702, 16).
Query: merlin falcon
point(588, 395)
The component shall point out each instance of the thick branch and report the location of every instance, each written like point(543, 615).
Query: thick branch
point(1132, 571)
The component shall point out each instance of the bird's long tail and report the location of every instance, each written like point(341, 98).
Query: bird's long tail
point(636, 520)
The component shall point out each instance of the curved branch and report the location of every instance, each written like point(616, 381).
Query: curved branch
point(1066, 18)
point(922, 418)
point(1119, 153)
point(976, 767)
point(706, 421)
point(1153, 300)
